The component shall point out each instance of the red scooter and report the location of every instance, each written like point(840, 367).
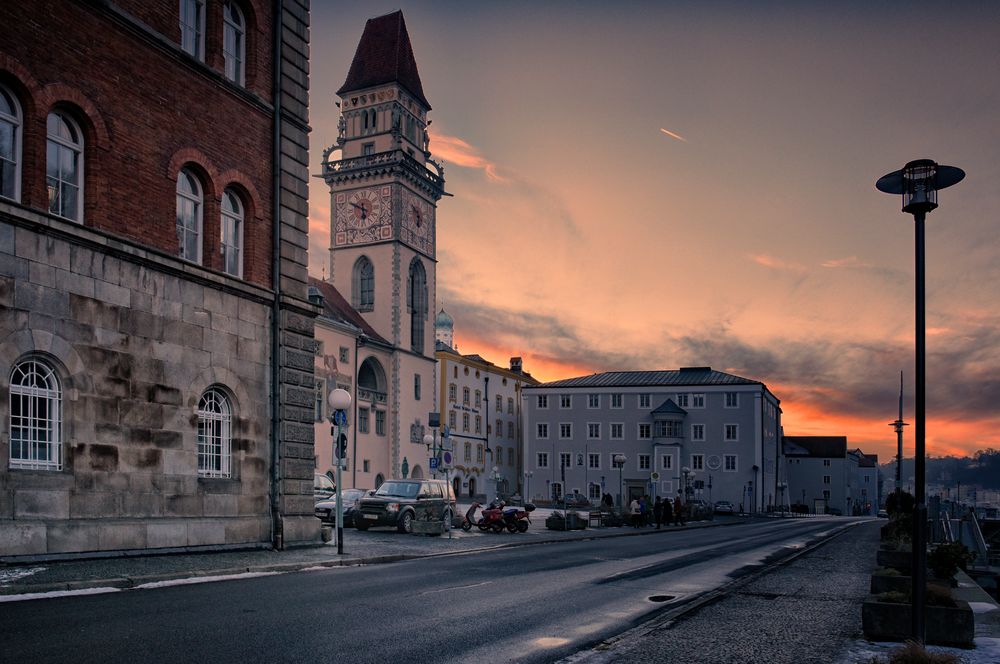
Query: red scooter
point(517, 520)
point(490, 519)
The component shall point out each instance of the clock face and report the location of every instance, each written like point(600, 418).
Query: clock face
point(363, 215)
point(418, 223)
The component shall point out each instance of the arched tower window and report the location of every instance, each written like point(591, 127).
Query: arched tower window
point(35, 417)
point(234, 41)
point(215, 441)
point(417, 304)
point(363, 284)
point(64, 166)
point(232, 233)
point(10, 145)
point(372, 384)
point(189, 213)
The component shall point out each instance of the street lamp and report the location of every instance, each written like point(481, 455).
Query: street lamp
point(430, 441)
point(496, 481)
point(527, 486)
point(340, 401)
point(781, 493)
point(620, 460)
point(918, 183)
point(686, 472)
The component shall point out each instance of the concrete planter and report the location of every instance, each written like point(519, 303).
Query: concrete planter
point(898, 560)
point(883, 584)
point(427, 527)
point(946, 626)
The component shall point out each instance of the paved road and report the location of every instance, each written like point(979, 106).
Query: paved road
point(527, 604)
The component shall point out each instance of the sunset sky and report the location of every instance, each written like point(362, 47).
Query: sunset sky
point(652, 185)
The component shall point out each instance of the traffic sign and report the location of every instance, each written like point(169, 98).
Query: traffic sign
point(340, 417)
point(446, 431)
point(433, 463)
point(445, 459)
point(654, 475)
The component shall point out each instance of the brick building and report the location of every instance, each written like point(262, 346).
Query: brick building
point(156, 343)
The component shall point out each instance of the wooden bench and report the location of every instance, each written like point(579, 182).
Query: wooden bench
point(596, 515)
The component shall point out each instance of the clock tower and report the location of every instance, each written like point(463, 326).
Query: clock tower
point(384, 189)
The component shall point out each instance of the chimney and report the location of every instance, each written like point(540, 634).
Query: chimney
point(515, 364)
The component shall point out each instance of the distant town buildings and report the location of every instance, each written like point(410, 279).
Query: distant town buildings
point(707, 434)
point(824, 476)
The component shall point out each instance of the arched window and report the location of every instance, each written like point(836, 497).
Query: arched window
point(365, 114)
point(363, 284)
point(499, 455)
point(232, 233)
point(417, 304)
point(379, 479)
point(10, 146)
point(234, 41)
point(374, 119)
point(35, 417)
point(64, 166)
point(192, 22)
point(189, 212)
point(372, 385)
point(215, 442)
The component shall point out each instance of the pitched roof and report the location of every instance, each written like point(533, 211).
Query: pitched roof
point(685, 376)
point(385, 55)
point(668, 407)
point(336, 308)
point(824, 447)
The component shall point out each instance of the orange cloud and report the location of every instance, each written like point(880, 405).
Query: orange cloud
point(850, 261)
point(776, 263)
point(456, 151)
point(673, 135)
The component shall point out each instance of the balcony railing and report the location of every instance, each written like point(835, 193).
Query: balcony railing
point(333, 168)
point(370, 395)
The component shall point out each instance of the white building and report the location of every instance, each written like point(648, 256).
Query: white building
point(826, 477)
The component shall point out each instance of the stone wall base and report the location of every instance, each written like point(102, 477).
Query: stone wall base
point(299, 530)
point(76, 536)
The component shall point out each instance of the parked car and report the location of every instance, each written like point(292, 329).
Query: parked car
point(573, 500)
point(882, 514)
point(724, 507)
point(323, 487)
point(398, 502)
point(698, 510)
point(326, 510)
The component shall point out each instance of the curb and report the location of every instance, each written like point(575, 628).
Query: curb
point(128, 583)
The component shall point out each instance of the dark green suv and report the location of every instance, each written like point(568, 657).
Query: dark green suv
point(399, 502)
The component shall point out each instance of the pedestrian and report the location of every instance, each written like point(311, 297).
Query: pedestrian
point(643, 510)
point(635, 511)
point(668, 512)
point(658, 512)
point(678, 511)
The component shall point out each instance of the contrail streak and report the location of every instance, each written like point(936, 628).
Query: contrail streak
point(673, 135)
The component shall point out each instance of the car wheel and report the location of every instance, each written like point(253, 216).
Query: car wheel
point(405, 522)
point(361, 525)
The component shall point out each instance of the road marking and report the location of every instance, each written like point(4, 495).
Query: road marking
point(441, 590)
point(57, 593)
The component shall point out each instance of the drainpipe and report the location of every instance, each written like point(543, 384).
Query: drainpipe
point(277, 535)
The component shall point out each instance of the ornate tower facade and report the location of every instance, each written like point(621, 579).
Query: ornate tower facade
point(384, 189)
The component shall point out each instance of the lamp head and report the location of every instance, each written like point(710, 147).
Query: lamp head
point(918, 182)
point(339, 399)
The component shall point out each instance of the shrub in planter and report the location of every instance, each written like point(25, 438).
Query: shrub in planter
point(914, 653)
point(946, 559)
point(899, 504)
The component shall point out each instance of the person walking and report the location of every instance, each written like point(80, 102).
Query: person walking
point(635, 511)
point(678, 511)
point(668, 512)
point(658, 512)
point(643, 511)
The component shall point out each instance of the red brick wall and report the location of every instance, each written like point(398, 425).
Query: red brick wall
point(145, 110)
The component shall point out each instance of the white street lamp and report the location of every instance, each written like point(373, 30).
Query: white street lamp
point(620, 460)
point(340, 401)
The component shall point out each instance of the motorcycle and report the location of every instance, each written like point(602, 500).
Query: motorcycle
point(517, 520)
point(490, 519)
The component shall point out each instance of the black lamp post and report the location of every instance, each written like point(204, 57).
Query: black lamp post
point(918, 183)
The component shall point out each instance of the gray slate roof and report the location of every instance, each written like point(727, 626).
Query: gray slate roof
point(668, 407)
point(685, 376)
point(824, 447)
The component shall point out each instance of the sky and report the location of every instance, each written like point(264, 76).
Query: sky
point(651, 185)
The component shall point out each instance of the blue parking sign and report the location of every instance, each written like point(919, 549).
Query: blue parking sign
point(433, 463)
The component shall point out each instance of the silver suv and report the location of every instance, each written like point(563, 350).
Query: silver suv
point(399, 502)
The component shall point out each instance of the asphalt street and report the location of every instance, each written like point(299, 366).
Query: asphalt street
point(526, 604)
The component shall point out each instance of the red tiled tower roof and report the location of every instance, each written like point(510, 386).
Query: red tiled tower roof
point(384, 55)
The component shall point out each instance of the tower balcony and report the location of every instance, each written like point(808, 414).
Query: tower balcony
point(384, 163)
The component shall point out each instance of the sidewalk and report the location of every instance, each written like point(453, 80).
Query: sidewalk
point(360, 548)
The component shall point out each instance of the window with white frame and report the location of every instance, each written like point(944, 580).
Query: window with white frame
point(214, 434)
point(730, 463)
point(643, 401)
point(666, 462)
point(479, 453)
point(542, 460)
point(510, 456)
point(468, 452)
point(479, 398)
point(593, 430)
point(617, 431)
point(232, 234)
point(732, 432)
point(416, 387)
point(594, 491)
point(465, 396)
point(616, 400)
point(542, 430)
point(465, 421)
point(593, 460)
point(510, 430)
point(499, 429)
point(644, 431)
point(64, 166)
point(644, 461)
point(499, 456)
point(826, 479)
point(192, 21)
point(10, 145)
point(499, 403)
point(593, 401)
point(557, 491)
point(565, 400)
point(565, 430)
point(682, 400)
point(189, 215)
point(697, 462)
point(35, 417)
point(234, 41)
point(698, 432)
point(379, 422)
point(565, 460)
point(732, 399)
point(452, 419)
point(697, 400)
point(542, 401)
point(452, 392)
point(510, 405)
point(668, 429)
point(345, 354)
point(826, 462)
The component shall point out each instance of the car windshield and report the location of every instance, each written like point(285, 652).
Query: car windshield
point(400, 489)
